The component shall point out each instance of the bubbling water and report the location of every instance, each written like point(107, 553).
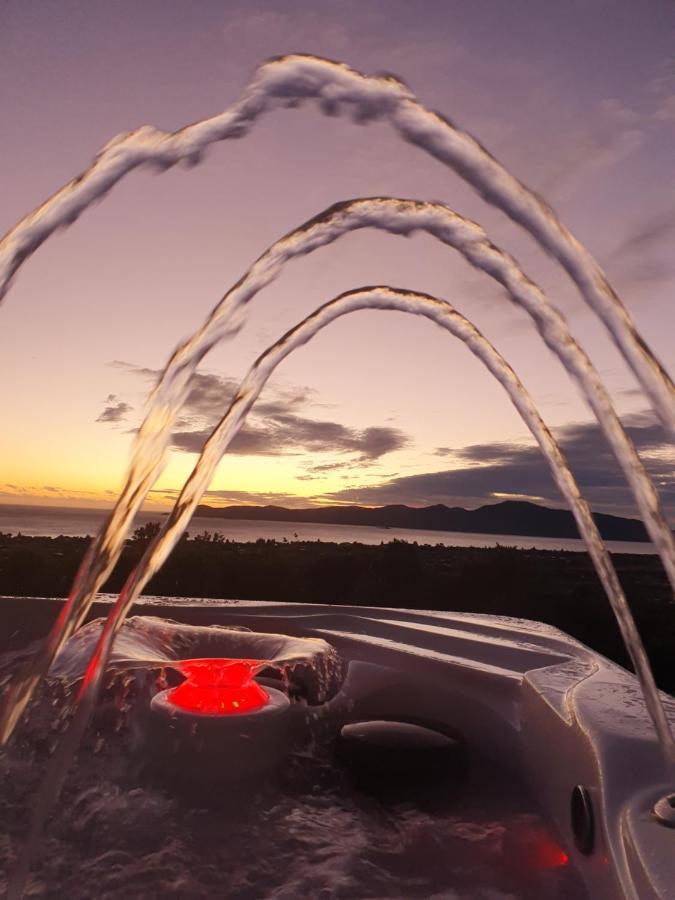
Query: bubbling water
point(120, 833)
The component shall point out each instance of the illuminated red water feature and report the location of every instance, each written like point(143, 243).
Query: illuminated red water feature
point(219, 687)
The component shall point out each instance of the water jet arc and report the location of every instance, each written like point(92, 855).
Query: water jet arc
point(444, 315)
point(297, 78)
point(447, 317)
point(397, 216)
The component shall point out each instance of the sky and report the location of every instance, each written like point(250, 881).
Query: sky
point(576, 99)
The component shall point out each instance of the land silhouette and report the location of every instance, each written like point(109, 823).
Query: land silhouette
point(516, 517)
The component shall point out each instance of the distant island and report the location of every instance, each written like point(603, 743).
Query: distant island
point(515, 517)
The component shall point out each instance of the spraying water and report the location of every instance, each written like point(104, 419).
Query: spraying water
point(337, 89)
point(382, 298)
point(152, 441)
point(448, 318)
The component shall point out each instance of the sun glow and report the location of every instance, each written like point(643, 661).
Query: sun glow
point(92, 478)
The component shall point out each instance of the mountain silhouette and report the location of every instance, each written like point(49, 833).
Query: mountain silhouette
point(514, 517)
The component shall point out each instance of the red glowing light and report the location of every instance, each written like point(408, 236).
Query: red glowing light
point(219, 687)
point(530, 848)
point(550, 856)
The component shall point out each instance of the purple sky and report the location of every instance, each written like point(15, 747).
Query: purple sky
point(577, 99)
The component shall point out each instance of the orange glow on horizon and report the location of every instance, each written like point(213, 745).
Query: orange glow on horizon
point(70, 481)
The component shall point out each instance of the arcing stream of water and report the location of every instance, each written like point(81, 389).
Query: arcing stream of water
point(398, 217)
point(338, 89)
point(444, 315)
point(383, 298)
point(294, 79)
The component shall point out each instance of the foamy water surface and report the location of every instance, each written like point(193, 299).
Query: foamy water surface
point(122, 830)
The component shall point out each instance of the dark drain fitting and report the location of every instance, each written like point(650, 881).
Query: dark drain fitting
point(583, 821)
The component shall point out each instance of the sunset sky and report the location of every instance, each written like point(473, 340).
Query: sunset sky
point(576, 98)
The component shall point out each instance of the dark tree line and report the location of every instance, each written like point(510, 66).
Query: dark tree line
point(555, 587)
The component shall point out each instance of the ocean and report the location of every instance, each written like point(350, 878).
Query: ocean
point(52, 521)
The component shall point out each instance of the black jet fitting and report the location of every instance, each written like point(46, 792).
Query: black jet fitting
point(583, 820)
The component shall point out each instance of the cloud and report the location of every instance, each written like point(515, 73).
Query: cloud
point(295, 434)
point(276, 424)
point(210, 395)
point(650, 233)
point(354, 31)
point(486, 472)
point(662, 90)
point(115, 410)
point(47, 491)
point(328, 467)
point(645, 256)
point(224, 497)
point(615, 133)
point(313, 473)
point(666, 109)
point(131, 367)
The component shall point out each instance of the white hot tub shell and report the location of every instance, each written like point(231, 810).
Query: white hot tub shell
point(524, 693)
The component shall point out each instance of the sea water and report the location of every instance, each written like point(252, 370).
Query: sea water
point(52, 521)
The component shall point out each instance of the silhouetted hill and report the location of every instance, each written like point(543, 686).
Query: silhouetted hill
point(510, 517)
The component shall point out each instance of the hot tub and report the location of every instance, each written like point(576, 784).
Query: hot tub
point(557, 801)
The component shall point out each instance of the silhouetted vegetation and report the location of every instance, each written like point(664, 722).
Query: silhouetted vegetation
point(560, 588)
point(145, 533)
